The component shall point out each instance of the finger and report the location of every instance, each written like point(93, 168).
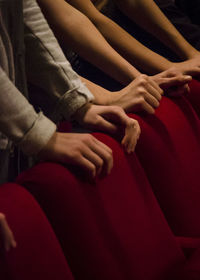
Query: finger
point(175, 81)
point(132, 134)
point(105, 156)
point(130, 125)
point(94, 158)
point(147, 108)
point(150, 99)
point(186, 88)
point(157, 88)
point(112, 118)
point(7, 235)
point(117, 115)
point(10, 241)
point(104, 146)
point(13, 242)
point(195, 71)
point(105, 125)
point(129, 144)
point(87, 166)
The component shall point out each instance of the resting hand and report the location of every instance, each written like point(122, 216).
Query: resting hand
point(143, 94)
point(173, 82)
point(110, 119)
point(7, 240)
point(82, 150)
point(189, 67)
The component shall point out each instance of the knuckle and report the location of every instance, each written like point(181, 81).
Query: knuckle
point(76, 155)
point(141, 100)
point(87, 137)
point(143, 80)
point(143, 76)
point(141, 92)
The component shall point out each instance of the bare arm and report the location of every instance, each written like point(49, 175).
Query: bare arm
point(156, 23)
point(76, 31)
point(137, 54)
point(142, 94)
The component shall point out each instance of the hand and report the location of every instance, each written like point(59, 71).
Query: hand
point(189, 67)
point(111, 119)
point(173, 82)
point(7, 240)
point(82, 150)
point(143, 94)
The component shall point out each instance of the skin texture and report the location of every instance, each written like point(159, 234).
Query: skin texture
point(7, 240)
point(76, 31)
point(84, 150)
point(72, 29)
point(156, 23)
point(144, 93)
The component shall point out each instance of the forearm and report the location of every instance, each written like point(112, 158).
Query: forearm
point(102, 96)
point(138, 55)
point(76, 31)
point(156, 23)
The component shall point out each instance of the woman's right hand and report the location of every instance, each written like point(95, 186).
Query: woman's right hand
point(7, 240)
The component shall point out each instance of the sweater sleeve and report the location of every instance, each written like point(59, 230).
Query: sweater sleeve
point(19, 121)
point(48, 68)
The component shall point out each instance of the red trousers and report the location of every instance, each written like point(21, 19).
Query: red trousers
point(38, 254)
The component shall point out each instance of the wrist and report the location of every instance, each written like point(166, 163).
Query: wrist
point(117, 97)
point(80, 113)
point(166, 65)
point(192, 54)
